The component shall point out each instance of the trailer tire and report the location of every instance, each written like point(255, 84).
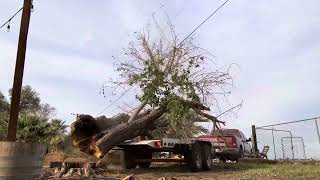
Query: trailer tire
point(145, 155)
point(206, 157)
point(128, 160)
point(223, 159)
point(196, 157)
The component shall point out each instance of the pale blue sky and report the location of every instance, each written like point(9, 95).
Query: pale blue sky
point(276, 43)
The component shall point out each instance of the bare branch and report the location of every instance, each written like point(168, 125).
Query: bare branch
point(212, 118)
point(137, 111)
point(230, 109)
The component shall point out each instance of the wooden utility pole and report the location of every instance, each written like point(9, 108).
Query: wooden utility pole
point(18, 74)
point(255, 143)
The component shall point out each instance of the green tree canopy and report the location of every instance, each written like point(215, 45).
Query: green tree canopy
point(172, 74)
point(4, 105)
point(34, 124)
point(30, 100)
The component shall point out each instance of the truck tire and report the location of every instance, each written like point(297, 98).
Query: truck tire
point(196, 157)
point(206, 157)
point(145, 155)
point(128, 160)
point(240, 154)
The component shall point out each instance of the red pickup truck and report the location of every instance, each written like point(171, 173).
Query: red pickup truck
point(237, 145)
point(198, 152)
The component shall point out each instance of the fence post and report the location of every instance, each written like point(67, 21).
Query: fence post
point(316, 121)
point(304, 150)
point(283, 152)
point(292, 145)
point(274, 146)
point(254, 140)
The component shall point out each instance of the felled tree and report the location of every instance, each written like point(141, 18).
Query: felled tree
point(171, 77)
point(189, 127)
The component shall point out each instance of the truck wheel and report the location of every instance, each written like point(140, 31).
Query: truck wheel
point(196, 157)
point(206, 157)
point(145, 155)
point(240, 155)
point(128, 160)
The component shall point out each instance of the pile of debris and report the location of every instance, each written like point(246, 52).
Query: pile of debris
point(77, 168)
point(74, 169)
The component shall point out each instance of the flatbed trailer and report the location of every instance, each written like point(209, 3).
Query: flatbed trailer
point(197, 152)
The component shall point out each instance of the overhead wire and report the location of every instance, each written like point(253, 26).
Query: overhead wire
point(214, 12)
point(8, 21)
point(116, 100)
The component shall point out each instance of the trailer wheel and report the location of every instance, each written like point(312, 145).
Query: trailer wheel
point(206, 157)
point(196, 157)
point(223, 159)
point(145, 155)
point(128, 160)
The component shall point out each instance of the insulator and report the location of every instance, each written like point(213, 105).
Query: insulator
point(32, 7)
point(8, 28)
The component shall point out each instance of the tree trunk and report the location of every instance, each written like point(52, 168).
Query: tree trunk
point(89, 136)
point(98, 136)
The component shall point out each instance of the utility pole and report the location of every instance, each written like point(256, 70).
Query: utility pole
point(254, 140)
point(18, 74)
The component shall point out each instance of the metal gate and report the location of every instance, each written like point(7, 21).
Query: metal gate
point(293, 148)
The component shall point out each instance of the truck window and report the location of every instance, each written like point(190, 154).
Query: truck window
point(243, 136)
point(227, 132)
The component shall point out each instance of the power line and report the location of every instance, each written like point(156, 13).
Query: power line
point(8, 21)
point(203, 22)
point(116, 100)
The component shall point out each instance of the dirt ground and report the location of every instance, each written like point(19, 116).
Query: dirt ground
point(225, 171)
point(220, 171)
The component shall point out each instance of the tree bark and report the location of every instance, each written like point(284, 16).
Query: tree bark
point(89, 136)
point(137, 111)
point(124, 132)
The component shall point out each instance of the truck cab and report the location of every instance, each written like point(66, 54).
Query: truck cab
point(237, 145)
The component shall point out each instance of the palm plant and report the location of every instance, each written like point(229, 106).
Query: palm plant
point(57, 132)
point(32, 129)
point(3, 125)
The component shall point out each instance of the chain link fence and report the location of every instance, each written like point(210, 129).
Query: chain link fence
point(295, 140)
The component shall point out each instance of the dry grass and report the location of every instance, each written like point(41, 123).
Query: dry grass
point(227, 171)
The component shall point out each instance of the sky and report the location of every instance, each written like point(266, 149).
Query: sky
point(275, 43)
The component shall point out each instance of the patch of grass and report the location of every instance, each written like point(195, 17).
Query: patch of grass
point(272, 171)
point(226, 171)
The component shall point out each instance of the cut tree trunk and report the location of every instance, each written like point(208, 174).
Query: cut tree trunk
point(98, 136)
point(93, 137)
